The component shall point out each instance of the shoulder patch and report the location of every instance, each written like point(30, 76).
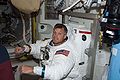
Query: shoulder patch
point(63, 52)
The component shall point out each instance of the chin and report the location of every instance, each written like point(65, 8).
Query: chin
point(55, 42)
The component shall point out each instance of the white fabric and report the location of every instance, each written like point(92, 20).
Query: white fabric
point(26, 48)
point(59, 66)
point(67, 67)
point(38, 70)
point(35, 48)
point(80, 46)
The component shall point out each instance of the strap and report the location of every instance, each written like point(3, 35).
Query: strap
point(43, 71)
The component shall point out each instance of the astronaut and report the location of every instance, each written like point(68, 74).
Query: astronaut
point(62, 62)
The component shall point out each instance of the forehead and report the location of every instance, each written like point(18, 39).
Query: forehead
point(58, 29)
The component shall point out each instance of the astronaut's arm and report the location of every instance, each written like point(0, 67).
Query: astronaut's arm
point(35, 48)
point(32, 48)
point(58, 69)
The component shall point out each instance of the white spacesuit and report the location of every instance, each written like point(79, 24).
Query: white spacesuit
point(62, 63)
point(67, 61)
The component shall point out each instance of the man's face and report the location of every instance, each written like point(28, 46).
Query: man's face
point(58, 35)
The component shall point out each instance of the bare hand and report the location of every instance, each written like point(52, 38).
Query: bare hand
point(19, 50)
point(26, 69)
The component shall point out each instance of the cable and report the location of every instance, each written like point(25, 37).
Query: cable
point(75, 3)
point(23, 21)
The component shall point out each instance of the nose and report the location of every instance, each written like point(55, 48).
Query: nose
point(55, 35)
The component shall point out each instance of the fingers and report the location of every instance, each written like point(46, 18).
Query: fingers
point(26, 69)
point(20, 69)
point(18, 50)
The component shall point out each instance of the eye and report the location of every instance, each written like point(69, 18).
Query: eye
point(54, 32)
point(60, 33)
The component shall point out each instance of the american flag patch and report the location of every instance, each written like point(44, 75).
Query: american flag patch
point(63, 52)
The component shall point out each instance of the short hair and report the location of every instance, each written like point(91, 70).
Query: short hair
point(59, 25)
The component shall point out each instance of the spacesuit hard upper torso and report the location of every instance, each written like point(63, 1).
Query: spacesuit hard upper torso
point(62, 63)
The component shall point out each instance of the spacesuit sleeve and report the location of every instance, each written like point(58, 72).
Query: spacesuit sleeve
point(35, 48)
point(59, 68)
